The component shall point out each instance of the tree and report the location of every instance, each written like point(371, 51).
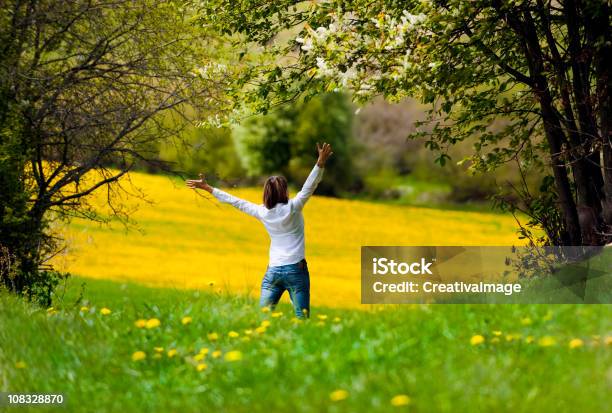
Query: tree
point(539, 68)
point(263, 142)
point(283, 141)
point(210, 150)
point(86, 84)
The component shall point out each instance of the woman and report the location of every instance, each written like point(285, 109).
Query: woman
point(282, 218)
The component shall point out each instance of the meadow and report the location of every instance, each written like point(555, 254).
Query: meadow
point(118, 347)
point(164, 317)
point(188, 240)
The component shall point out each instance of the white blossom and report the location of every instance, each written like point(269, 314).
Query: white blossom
point(413, 19)
point(324, 69)
point(307, 44)
point(321, 33)
point(347, 76)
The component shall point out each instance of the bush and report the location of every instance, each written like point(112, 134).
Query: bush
point(205, 150)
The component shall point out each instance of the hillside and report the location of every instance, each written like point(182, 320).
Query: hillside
point(186, 240)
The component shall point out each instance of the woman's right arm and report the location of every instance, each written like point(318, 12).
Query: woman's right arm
point(240, 204)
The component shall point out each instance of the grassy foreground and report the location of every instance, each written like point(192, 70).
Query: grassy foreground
point(217, 352)
point(189, 240)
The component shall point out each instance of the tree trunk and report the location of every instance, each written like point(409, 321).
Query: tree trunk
point(598, 27)
point(552, 125)
point(588, 177)
point(554, 137)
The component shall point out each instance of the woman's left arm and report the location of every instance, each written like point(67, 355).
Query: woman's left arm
point(241, 204)
point(325, 151)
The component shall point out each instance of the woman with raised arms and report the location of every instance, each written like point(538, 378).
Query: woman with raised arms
point(283, 220)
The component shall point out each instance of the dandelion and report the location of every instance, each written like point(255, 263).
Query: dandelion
point(199, 357)
point(84, 309)
point(186, 320)
point(201, 367)
point(171, 353)
point(497, 333)
point(204, 350)
point(260, 330)
point(234, 355)
point(265, 323)
point(575, 343)
point(526, 321)
point(477, 339)
point(140, 323)
point(152, 323)
point(233, 334)
point(21, 365)
point(322, 317)
point(265, 309)
point(338, 395)
point(277, 314)
point(547, 341)
point(139, 355)
point(400, 400)
point(213, 336)
point(216, 354)
point(608, 340)
point(336, 319)
point(511, 337)
point(158, 349)
point(296, 320)
point(248, 332)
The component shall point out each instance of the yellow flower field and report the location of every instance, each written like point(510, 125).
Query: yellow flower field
point(186, 240)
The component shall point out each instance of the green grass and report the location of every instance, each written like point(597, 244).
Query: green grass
point(421, 351)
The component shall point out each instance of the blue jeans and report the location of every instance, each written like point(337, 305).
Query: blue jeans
point(293, 278)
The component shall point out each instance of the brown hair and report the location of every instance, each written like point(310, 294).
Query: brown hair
point(275, 191)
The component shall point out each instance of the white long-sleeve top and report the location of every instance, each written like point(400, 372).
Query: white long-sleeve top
point(284, 222)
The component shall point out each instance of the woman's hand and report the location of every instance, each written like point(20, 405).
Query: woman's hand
point(199, 184)
point(325, 151)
